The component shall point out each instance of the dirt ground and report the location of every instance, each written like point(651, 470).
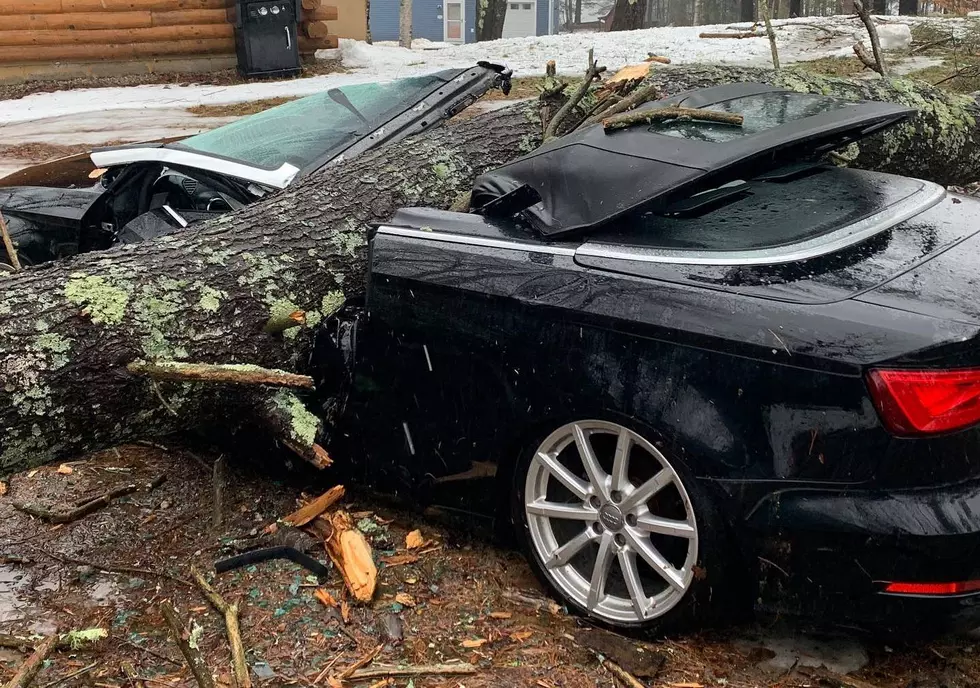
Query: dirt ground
point(463, 599)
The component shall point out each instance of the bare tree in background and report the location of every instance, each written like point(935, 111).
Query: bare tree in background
point(746, 10)
point(405, 23)
point(628, 15)
point(492, 27)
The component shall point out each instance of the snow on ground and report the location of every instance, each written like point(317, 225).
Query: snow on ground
point(526, 56)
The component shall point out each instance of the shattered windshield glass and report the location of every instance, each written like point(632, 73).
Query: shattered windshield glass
point(761, 112)
point(305, 130)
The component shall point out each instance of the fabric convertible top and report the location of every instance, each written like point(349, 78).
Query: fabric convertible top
point(590, 177)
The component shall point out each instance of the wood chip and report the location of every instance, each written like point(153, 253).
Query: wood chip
point(521, 636)
point(399, 559)
point(414, 540)
point(404, 599)
point(311, 510)
point(345, 611)
point(351, 554)
point(325, 597)
point(479, 642)
point(3, 488)
point(65, 469)
point(500, 615)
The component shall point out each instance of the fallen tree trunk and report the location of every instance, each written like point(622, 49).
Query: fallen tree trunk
point(69, 330)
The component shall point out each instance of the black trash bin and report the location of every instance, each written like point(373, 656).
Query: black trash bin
point(266, 37)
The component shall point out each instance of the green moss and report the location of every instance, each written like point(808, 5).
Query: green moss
point(102, 301)
point(303, 425)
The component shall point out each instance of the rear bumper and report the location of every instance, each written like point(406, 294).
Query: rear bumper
point(837, 551)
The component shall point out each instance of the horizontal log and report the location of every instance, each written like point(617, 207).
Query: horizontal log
point(114, 51)
point(137, 19)
point(315, 29)
point(311, 45)
point(154, 34)
point(22, 7)
point(322, 13)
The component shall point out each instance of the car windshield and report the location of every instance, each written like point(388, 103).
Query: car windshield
point(322, 125)
point(760, 112)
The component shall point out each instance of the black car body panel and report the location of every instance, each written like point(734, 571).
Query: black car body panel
point(46, 222)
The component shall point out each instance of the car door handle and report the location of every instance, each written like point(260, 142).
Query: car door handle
point(289, 40)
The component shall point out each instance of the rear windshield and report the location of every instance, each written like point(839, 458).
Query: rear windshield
point(761, 112)
point(304, 131)
point(772, 214)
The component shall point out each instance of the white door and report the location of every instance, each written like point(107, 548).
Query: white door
point(521, 19)
point(454, 29)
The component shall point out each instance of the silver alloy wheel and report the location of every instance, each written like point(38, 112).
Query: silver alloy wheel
point(604, 523)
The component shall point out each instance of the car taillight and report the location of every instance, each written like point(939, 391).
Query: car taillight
point(957, 588)
point(921, 402)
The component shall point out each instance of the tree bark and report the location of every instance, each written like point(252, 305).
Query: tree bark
point(405, 23)
point(492, 27)
point(68, 330)
point(879, 7)
point(795, 8)
point(908, 7)
point(628, 15)
point(746, 10)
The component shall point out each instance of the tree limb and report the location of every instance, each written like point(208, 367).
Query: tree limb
point(29, 669)
point(234, 374)
point(634, 99)
point(770, 33)
point(87, 507)
point(592, 73)
point(629, 119)
point(191, 655)
point(865, 14)
point(230, 612)
point(419, 670)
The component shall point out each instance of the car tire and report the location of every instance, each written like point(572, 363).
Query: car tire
point(633, 514)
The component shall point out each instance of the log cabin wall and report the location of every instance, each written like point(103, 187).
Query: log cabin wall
point(57, 39)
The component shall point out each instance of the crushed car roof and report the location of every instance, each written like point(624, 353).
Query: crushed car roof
point(592, 176)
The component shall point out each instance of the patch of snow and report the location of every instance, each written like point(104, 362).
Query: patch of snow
point(914, 64)
point(890, 37)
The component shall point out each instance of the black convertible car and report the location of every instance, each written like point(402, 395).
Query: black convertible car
point(132, 193)
point(692, 365)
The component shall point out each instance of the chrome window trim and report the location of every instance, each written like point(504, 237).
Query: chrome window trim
point(928, 195)
point(278, 178)
point(469, 240)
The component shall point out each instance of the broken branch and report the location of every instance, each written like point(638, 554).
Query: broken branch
point(351, 554)
point(770, 33)
point(618, 672)
point(9, 245)
point(314, 508)
point(29, 669)
point(420, 670)
point(741, 34)
point(629, 119)
point(592, 72)
point(362, 662)
point(865, 14)
point(191, 655)
point(226, 374)
point(85, 508)
point(232, 627)
point(635, 99)
point(294, 426)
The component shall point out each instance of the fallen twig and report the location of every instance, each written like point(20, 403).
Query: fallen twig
point(418, 670)
point(217, 488)
point(932, 44)
point(592, 72)
point(539, 603)
point(87, 507)
point(362, 662)
point(9, 245)
point(230, 611)
point(74, 674)
point(131, 570)
point(32, 665)
point(314, 508)
point(191, 655)
point(629, 119)
point(226, 374)
point(618, 672)
point(634, 99)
